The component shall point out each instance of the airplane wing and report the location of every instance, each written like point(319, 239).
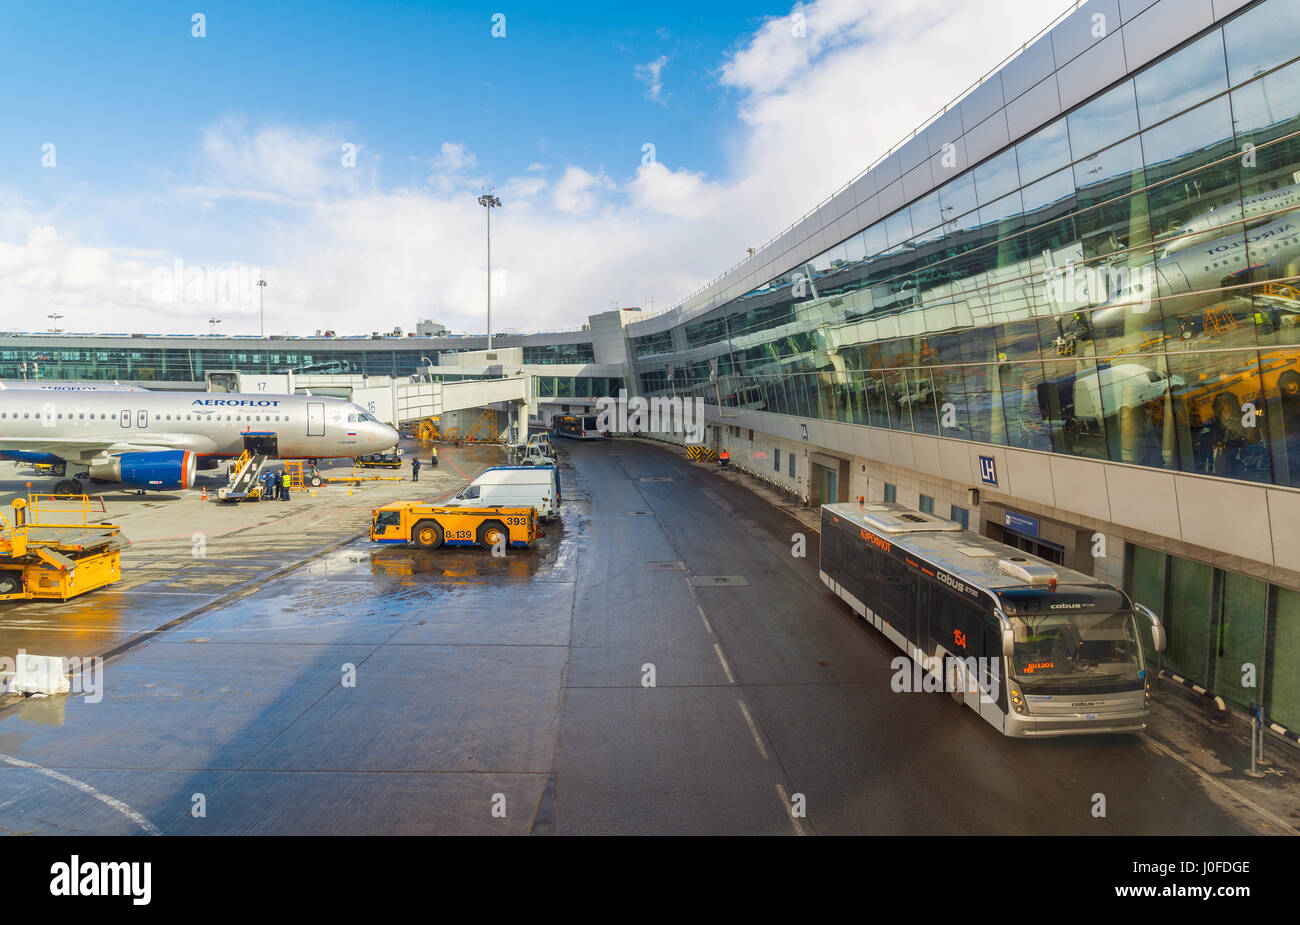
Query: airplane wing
point(88, 446)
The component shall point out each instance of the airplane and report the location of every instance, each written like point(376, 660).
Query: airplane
point(1240, 212)
point(156, 440)
point(1207, 266)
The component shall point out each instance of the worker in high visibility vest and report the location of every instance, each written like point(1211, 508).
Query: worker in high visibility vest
point(724, 459)
point(284, 485)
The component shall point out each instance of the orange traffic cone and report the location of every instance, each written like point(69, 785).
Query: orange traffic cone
point(205, 493)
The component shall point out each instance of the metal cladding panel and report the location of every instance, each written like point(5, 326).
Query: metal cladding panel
point(887, 171)
point(890, 198)
point(1130, 8)
point(914, 151)
point(982, 102)
point(1028, 69)
point(1165, 24)
point(917, 182)
point(987, 138)
point(1084, 28)
point(1035, 108)
point(1284, 515)
point(1237, 524)
point(864, 187)
point(1142, 498)
point(941, 171)
point(947, 128)
point(1224, 8)
point(1029, 476)
point(1097, 68)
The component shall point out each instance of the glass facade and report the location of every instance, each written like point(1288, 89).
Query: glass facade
point(1236, 636)
point(1122, 284)
point(151, 362)
point(586, 388)
point(554, 354)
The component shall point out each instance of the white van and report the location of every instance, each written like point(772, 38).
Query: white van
point(513, 486)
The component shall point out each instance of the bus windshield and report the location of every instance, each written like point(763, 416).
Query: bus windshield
point(1077, 653)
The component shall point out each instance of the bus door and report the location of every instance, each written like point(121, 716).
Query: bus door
point(315, 419)
point(919, 594)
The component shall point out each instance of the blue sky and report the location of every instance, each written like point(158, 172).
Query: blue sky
point(224, 151)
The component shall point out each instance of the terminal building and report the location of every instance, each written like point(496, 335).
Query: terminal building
point(1066, 313)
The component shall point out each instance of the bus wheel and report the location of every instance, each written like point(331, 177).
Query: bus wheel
point(428, 534)
point(491, 533)
point(958, 686)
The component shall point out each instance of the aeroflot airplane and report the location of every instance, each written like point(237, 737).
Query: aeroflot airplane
point(155, 440)
point(1245, 212)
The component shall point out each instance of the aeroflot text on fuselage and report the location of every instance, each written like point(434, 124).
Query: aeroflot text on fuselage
point(231, 402)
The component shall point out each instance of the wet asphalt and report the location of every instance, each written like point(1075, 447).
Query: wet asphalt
point(392, 690)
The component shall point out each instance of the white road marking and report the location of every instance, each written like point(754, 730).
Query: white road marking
point(1276, 820)
point(704, 618)
point(725, 667)
point(749, 720)
point(115, 803)
point(789, 810)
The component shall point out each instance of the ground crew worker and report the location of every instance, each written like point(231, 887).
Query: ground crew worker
point(724, 458)
point(434, 461)
point(415, 468)
point(284, 485)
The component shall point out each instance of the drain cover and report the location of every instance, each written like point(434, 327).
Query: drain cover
point(665, 566)
point(658, 478)
point(638, 513)
point(719, 581)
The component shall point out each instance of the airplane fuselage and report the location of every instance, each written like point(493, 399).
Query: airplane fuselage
point(80, 427)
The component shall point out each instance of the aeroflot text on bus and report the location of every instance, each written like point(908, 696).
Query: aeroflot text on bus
point(233, 402)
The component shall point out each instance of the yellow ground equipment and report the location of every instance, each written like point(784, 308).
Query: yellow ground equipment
point(302, 478)
point(420, 523)
point(49, 560)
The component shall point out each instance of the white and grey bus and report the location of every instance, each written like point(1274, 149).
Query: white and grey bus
point(1034, 648)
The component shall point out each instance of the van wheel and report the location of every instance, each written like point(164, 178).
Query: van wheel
point(1289, 384)
point(427, 534)
point(491, 533)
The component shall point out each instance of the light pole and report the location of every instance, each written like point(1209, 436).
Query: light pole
point(261, 312)
point(212, 325)
point(487, 201)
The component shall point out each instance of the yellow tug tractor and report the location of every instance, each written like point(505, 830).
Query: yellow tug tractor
point(419, 523)
point(56, 561)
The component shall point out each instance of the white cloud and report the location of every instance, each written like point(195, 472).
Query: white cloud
point(651, 74)
point(577, 192)
point(346, 249)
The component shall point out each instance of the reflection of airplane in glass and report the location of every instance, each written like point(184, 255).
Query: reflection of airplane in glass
point(1258, 207)
point(1265, 252)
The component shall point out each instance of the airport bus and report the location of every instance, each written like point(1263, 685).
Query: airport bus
point(1034, 648)
point(579, 427)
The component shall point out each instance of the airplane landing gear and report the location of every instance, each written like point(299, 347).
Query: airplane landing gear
point(67, 487)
